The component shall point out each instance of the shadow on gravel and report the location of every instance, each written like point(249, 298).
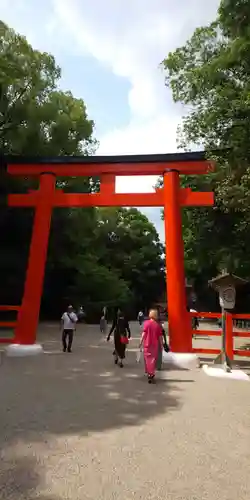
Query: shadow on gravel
point(19, 479)
point(79, 393)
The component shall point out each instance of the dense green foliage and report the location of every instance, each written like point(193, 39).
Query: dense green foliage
point(109, 256)
point(210, 74)
point(96, 256)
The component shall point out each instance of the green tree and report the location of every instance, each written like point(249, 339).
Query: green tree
point(80, 273)
point(131, 246)
point(210, 75)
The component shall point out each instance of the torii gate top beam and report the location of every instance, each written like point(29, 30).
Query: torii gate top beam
point(70, 166)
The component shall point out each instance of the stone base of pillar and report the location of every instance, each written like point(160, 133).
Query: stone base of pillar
point(18, 350)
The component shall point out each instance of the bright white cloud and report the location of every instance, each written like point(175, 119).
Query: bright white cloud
point(132, 38)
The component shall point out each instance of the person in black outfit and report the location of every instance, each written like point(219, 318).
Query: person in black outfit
point(120, 328)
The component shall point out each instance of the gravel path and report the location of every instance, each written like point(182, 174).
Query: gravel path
point(75, 427)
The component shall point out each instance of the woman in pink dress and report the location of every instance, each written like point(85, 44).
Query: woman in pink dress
point(150, 340)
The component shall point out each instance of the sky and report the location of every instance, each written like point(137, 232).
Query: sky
point(110, 53)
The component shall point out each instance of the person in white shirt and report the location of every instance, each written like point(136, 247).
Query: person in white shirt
point(68, 321)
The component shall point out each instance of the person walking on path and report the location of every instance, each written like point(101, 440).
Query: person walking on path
point(140, 317)
point(121, 330)
point(81, 314)
point(103, 321)
point(68, 322)
point(103, 324)
point(195, 320)
point(151, 340)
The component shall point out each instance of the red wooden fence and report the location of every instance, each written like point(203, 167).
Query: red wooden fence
point(231, 333)
point(8, 324)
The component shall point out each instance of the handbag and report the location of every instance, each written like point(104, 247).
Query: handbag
point(124, 340)
point(166, 347)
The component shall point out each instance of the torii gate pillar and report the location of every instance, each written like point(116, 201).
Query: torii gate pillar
point(28, 316)
point(179, 324)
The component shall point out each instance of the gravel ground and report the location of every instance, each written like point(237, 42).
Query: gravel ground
point(76, 427)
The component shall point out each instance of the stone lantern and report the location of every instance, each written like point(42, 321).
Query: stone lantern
point(225, 284)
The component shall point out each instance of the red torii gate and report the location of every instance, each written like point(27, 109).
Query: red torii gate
point(171, 197)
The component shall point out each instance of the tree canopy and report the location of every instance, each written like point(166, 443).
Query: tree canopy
point(96, 256)
point(210, 76)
